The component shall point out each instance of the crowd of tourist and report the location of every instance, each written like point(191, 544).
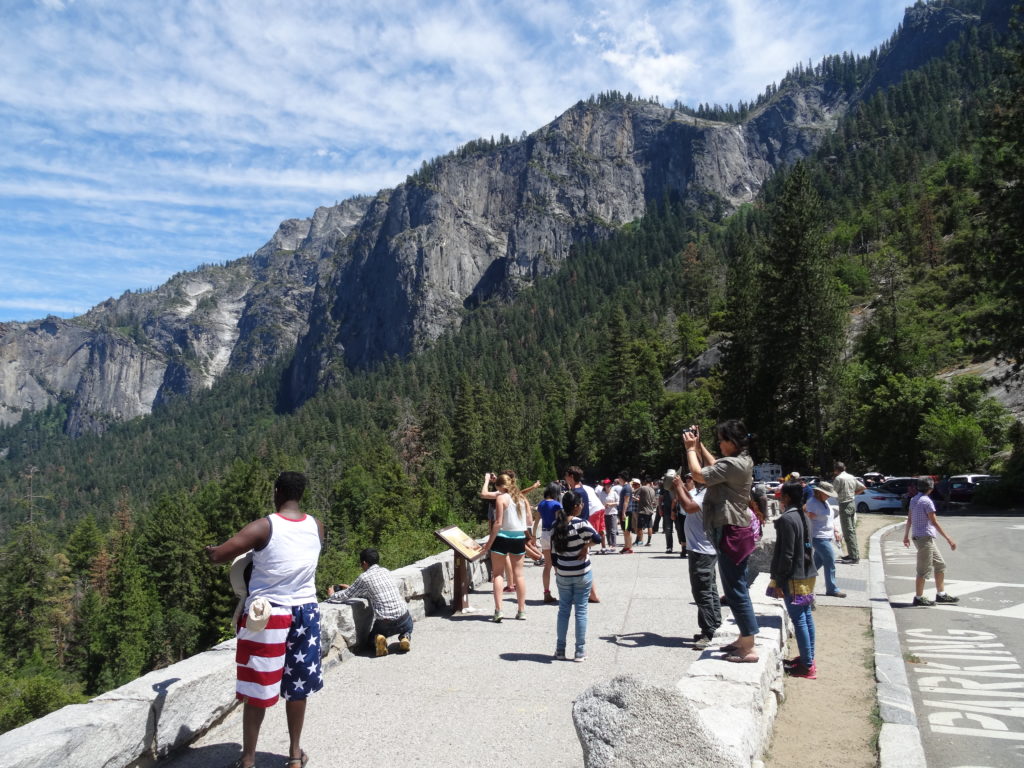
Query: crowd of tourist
point(710, 506)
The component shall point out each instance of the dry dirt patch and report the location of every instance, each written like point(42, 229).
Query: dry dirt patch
point(833, 720)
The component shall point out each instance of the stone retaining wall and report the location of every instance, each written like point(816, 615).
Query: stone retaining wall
point(132, 726)
point(720, 714)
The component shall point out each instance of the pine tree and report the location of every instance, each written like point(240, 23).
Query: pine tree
point(131, 612)
point(805, 307)
point(1003, 199)
point(29, 587)
point(170, 545)
point(83, 546)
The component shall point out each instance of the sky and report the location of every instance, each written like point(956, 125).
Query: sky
point(139, 139)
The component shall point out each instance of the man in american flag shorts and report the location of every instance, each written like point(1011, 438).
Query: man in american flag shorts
point(278, 652)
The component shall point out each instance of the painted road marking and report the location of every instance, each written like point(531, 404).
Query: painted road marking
point(971, 682)
point(970, 593)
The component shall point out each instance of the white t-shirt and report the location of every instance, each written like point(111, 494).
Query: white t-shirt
point(595, 504)
point(696, 537)
point(822, 526)
point(611, 502)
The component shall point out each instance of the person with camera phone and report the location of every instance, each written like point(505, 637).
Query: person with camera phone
point(727, 519)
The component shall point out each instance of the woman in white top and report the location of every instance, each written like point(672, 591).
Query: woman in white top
point(507, 539)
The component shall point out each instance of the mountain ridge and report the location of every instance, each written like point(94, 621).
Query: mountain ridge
point(386, 275)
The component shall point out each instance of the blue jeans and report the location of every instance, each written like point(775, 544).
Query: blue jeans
point(734, 586)
point(402, 626)
point(803, 629)
point(825, 555)
point(573, 592)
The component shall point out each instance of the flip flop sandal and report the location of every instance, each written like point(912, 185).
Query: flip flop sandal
point(299, 761)
point(728, 648)
point(750, 658)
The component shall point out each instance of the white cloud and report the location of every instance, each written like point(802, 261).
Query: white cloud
point(204, 122)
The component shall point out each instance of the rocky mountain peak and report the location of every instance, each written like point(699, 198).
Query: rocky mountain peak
point(382, 275)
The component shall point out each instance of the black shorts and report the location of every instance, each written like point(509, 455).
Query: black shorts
point(645, 521)
point(506, 546)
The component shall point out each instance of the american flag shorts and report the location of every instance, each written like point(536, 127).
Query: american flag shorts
point(281, 659)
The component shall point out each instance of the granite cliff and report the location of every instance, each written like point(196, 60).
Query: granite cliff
point(386, 275)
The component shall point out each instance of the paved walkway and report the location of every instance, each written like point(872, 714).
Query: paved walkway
point(479, 693)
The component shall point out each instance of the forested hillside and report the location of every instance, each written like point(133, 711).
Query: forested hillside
point(903, 222)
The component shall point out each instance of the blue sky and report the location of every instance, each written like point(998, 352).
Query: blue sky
point(144, 138)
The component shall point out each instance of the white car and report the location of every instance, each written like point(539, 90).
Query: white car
point(888, 495)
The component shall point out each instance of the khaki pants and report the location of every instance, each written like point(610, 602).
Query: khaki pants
point(848, 519)
point(928, 557)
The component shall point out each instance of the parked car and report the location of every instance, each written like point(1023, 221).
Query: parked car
point(892, 494)
point(962, 487)
point(873, 479)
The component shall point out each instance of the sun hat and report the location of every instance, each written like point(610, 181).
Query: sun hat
point(826, 488)
point(258, 616)
point(238, 574)
point(260, 609)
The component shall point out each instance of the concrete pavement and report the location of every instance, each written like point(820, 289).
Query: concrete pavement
point(963, 661)
point(480, 693)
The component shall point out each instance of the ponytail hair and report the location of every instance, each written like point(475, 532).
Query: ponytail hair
point(560, 531)
point(508, 480)
point(736, 433)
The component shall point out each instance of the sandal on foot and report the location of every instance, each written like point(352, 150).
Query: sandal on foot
point(729, 648)
point(750, 658)
point(299, 761)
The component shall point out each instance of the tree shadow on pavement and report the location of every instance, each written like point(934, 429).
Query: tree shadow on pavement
point(642, 640)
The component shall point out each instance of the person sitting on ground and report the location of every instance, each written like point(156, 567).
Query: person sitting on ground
point(547, 512)
point(793, 576)
point(922, 524)
point(279, 630)
point(570, 546)
point(824, 534)
point(390, 612)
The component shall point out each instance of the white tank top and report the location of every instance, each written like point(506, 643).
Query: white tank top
point(284, 571)
point(514, 519)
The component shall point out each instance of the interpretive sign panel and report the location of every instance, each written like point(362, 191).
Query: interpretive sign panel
point(461, 542)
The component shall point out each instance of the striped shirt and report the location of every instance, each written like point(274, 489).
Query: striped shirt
point(376, 585)
point(567, 561)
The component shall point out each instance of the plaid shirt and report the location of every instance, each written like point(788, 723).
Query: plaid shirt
point(376, 585)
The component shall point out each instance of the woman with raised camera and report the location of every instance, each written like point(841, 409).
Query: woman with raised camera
point(727, 521)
